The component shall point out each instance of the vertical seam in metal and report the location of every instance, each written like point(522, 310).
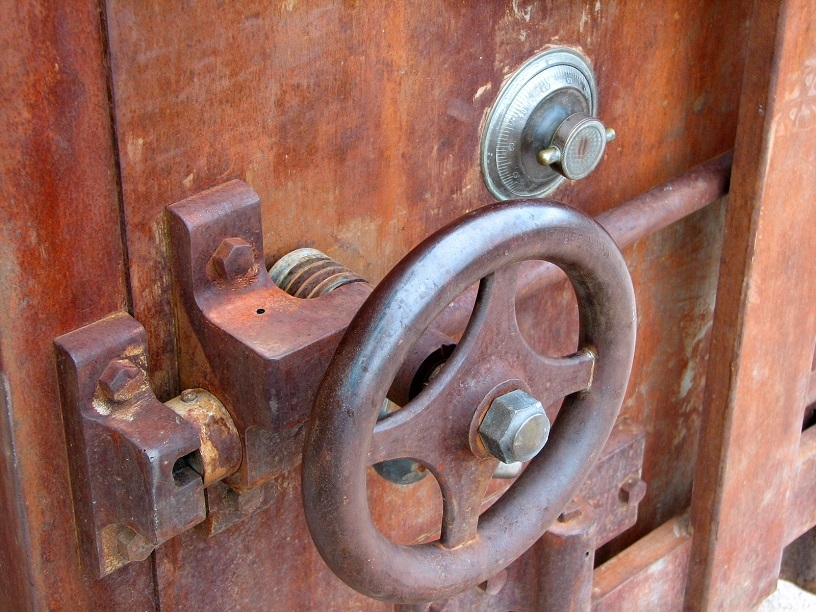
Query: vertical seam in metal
point(20, 516)
point(117, 166)
point(120, 196)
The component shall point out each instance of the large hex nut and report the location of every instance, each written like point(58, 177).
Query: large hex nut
point(515, 427)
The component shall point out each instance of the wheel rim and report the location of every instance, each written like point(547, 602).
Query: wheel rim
point(478, 247)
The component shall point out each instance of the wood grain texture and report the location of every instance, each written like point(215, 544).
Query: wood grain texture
point(764, 325)
point(62, 267)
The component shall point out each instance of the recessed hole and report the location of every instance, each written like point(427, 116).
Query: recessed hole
point(188, 468)
point(548, 320)
point(405, 514)
point(260, 311)
point(178, 470)
point(401, 471)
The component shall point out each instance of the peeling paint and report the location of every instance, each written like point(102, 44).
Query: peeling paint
point(522, 13)
point(482, 90)
point(134, 148)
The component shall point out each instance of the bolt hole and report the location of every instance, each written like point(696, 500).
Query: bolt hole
point(586, 554)
point(185, 468)
point(260, 311)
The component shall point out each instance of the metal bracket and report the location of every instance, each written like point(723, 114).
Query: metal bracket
point(267, 349)
point(132, 486)
point(139, 467)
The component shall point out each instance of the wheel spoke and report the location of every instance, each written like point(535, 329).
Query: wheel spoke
point(553, 378)
point(463, 483)
point(494, 314)
point(409, 433)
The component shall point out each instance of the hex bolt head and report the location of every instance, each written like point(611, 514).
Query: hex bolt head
point(133, 546)
point(632, 491)
point(120, 380)
point(515, 427)
point(233, 258)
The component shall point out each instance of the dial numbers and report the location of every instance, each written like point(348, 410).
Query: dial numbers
point(543, 92)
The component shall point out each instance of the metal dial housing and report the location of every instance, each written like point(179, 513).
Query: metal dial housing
point(531, 106)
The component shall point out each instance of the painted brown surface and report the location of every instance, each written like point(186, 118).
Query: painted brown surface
point(764, 325)
point(801, 512)
point(650, 575)
point(62, 267)
point(358, 125)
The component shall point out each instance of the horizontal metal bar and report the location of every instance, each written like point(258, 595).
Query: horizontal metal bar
point(645, 214)
point(651, 572)
point(637, 218)
point(801, 515)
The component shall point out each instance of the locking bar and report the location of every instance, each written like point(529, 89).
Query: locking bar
point(138, 466)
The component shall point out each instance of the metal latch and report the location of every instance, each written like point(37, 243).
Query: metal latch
point(139, 467)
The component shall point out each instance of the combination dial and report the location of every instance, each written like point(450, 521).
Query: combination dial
point(542, 128)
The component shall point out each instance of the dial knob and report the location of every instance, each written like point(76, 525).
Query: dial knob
point(542, 127)
point(577, 146)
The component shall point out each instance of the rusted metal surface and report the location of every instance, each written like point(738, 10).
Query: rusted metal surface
point(404, 126)
point(801, 507)
point(523, 585)
point(614, 487)
point(554, 575)
point(799, 562)
point(219, 453)
point(764, 324)
point(565, 560)
point(404, 132)
point(308, 273)
point(653, 572)
point(616, 497)
point(650, 575)
point(132, 489)
point(62, 268)
point(646, 214)
point(212, 91)
point(680, 259)
point(226, 507)
point(245, 565)
point(437, 427)
point(799, 558)
point(267, 349)
point(811, 390)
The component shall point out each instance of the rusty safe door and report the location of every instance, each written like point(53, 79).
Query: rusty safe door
point(356, 129)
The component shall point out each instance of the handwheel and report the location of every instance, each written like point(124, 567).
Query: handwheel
point(485, 402)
